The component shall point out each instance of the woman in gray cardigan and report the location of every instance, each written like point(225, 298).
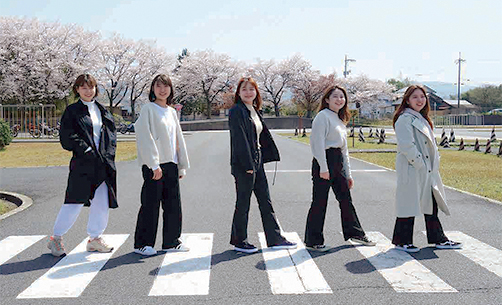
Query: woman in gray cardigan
point(420, 190)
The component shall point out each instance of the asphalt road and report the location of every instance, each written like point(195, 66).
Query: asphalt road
point(208, 197)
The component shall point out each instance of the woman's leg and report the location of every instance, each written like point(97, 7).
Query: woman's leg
point(435, 233)
point(171, 205)
point(66, 218)
point(148, 215)
point(317, 212)
point(98, 214)
point(268, 219)
point(351, 226)
point(403, 231)
point(243, 186)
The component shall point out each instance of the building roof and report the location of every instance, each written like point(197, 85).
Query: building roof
point(463, 103)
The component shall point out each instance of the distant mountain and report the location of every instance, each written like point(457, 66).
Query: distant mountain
point(444, 90)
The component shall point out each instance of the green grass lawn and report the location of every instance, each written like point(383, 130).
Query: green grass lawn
point(51, 154)
point(474, 172)
point(6, 206)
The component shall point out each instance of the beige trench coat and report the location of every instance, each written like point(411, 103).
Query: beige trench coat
point(417, 167)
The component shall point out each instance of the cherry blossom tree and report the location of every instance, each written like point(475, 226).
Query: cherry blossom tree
point(275, 78)
point(210, 74)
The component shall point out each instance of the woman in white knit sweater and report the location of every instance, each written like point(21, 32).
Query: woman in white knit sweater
point(331, 169)
point(163, 159)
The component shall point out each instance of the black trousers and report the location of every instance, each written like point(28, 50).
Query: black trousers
point(320, 190)
point(245, 185)
point(403, 230)
point(154, 192)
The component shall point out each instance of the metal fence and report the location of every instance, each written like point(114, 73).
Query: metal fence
point(459, 119)
point(31, 121)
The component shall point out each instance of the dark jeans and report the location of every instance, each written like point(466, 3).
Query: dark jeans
point(166, 191)
point(245, 184)
point(320, 190)
point(403, 230)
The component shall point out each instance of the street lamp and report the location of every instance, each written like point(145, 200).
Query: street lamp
point(459, 61)
point(347, 60)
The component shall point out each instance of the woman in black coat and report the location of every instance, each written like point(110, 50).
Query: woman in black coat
point(88, 131)
point(251, 146)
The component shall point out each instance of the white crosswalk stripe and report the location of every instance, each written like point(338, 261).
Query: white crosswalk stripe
point(289, 271)
point(71, 275)
point(186, 273)
point(13, 245)
point(479, 252)
point(401, 270)
point(292, 271)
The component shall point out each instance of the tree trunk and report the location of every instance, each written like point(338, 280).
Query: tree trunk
point(276, 109)
point(208, 109)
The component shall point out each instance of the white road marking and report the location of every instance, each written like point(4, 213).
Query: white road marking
point(401, 270)
point(292, 271)
point(479, 252)
point(71, 275)
point(13, 245)
point(186, 273)
point(308, 170)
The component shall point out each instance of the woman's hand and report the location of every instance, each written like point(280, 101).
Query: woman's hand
point(324, 175)
point(157, 174)
point(249, 171)
point(351, 183)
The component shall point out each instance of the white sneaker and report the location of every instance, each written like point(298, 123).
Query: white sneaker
point(179, 248)
point(98, 245)
point(55, 244)
point(146, 250)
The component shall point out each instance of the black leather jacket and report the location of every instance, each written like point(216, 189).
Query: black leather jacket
point(244, 153)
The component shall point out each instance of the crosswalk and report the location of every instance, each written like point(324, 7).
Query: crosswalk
point(292, 271)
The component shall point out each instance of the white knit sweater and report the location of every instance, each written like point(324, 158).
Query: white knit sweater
point(154, 140)
point(328, 131)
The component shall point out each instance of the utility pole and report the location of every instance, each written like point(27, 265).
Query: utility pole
point(459, 61)
point(345, 71)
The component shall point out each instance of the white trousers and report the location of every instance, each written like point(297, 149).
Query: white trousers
point(98, 214)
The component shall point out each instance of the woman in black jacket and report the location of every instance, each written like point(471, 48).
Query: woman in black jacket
point(88, 131)
point(251, 146)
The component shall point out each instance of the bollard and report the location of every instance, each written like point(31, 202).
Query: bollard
point(444, 138)
point(351, 135)
point(461, 147)
point(500, 150)
point(492, 137)
point(382, 136)
point(361, 135)
point(452, 136)
point(304, 134)
point(476, 145)
point(488, 147)
point(371, 133)
point(296, 132)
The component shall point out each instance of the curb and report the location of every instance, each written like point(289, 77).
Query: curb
point(22, 201)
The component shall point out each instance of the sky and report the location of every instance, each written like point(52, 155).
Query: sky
point(386, 38)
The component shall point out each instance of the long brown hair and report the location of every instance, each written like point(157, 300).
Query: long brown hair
point(405, 104)
point(85, 79)
point(343, 113)
point(257, 102)
point(164, 79)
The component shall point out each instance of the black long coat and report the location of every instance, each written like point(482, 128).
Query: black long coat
point(244, 153)
point(89, 169)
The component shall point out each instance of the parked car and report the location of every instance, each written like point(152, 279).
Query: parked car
point(495, 111)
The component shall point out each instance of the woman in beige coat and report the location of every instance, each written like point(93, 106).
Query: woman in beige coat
point(420, 190)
